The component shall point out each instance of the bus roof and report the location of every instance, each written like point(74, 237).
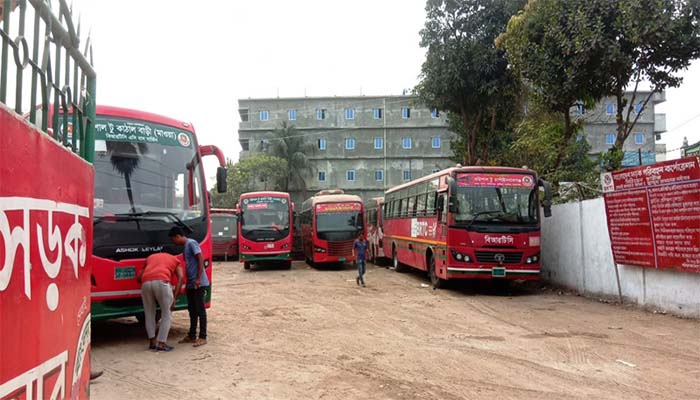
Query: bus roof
point(472, 169)
point(332, 198)
point(265, 194)
point(223, 211)
point(143, 115)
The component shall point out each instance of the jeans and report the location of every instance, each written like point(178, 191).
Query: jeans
point(361, 270)
point(160, 292)
point(195, 306)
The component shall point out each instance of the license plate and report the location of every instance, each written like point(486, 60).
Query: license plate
point(270, 246)
point(498, 272)
point(122, 273)
point(341, 259)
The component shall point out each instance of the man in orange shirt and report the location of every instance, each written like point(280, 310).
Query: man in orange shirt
point(155, 288)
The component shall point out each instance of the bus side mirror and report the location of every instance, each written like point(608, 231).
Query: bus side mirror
point(547, 201)
point(221, 184)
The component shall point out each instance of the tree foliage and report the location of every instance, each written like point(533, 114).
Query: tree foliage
point(555, 46)
point(257, 172)
point(465, 73)
point(291, 147)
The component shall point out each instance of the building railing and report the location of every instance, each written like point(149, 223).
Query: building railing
point(60, 84)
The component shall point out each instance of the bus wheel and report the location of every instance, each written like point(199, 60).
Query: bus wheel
point(398, 267)
point(287, 265)
point(246, 265)
point(434, 279)
point(141, 317)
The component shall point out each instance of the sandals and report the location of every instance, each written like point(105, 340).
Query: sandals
point(199, 342)
point(187, 339)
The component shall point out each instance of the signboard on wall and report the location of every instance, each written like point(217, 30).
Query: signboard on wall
point(653, 215)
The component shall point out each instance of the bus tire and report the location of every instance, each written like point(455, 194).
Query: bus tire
point(398, 267)
point(246, 265)
point(141, 317)
point(436, 281)
point(287, 265)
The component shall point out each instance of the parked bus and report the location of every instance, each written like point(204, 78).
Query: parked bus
point(330, 223)
point(265, 229)
point(374, 224)
point(224, 233)
point(148, 179)
point(467, 222)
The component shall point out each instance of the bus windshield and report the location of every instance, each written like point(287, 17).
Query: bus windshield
point(495, 205)
point(338, 221)
point(148, 177)
point(223, 226)
point(265, 218)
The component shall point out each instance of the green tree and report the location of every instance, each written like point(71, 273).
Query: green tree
point(257, 172)
point(465, 73)
point(291, 147)
point(647, 42)
point(556, 46)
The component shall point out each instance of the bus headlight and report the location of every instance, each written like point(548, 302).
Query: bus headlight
point(320, 249)
point(532, 259)
point(461, 257)
point(246, 247)
point(285, 246)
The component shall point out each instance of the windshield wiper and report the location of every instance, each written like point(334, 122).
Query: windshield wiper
point(140, 215)
point(482, 213)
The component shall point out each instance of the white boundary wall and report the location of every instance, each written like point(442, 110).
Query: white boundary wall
point(576, 253)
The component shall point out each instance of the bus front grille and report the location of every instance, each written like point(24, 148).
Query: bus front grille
point(340, 249)
point(496, 257)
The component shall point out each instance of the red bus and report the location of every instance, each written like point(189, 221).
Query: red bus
point(148, 178)
point(265, 228)
point(374, 225)
point(224, 233)
point(467, 222)
point(330, 223)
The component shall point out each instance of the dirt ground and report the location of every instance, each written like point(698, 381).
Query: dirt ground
point(313, 334)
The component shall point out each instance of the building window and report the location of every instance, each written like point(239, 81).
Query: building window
point(579, 138)
point(407, 143)
point(245, 144)
point(264, 115)
point(405, 113)
point(435, 113)
point(436, 142)
point(638, 107)
point(349, 113)
point(610, 138)
point(638, 138)
point(321, 176)
point(320, 113)
point(580, 109)
point(264, 144)
point(377, 112)
point(436, 170)
point(379, 175)
point(292, 115)
point(350, 175)
point(244, 114)
point(406, 175)
point(378, 143)
point(349, 143)
point(610, 108)
point(322, 143)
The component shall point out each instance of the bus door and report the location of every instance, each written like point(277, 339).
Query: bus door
point(441, 231)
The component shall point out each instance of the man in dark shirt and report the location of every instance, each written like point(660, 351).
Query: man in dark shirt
point(197, 285)
point(359, 249)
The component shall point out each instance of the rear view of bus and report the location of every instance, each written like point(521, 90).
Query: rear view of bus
point(331, 221)
point(224, 233)
point(265, 229)
point(374, 224)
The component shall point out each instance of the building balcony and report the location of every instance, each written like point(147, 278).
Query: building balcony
point(659, 97)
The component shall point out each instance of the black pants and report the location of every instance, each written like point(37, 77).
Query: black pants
point(195, 306)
